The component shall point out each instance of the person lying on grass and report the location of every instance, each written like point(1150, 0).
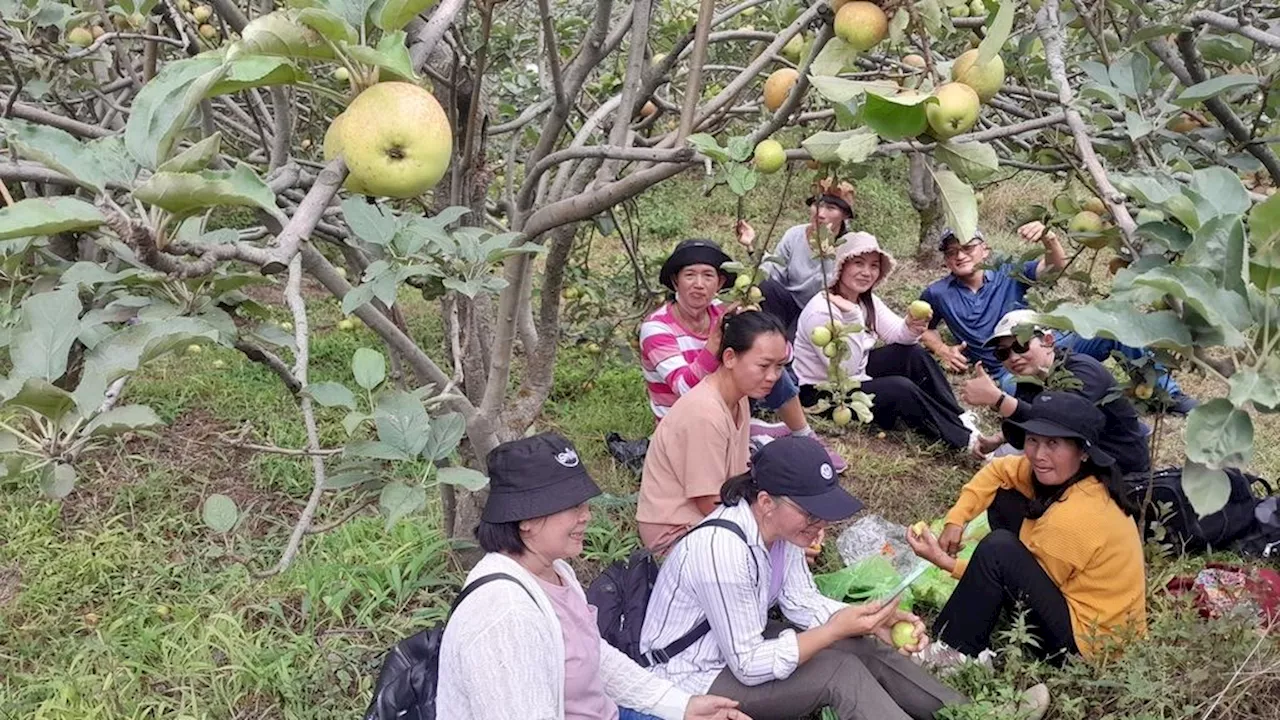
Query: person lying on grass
point(826, 653)
point(971, 300)
point(1035, 360)
point(1063, 545)
point(791, 283)
point(680, 341)
point(528, 646)
point(907, 384)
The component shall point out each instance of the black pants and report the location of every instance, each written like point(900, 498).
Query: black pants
point(909, 386)
point(780, 303)
point(1003, 573)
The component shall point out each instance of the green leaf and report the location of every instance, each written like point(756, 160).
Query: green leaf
point(839, 90)
point(997, 32)
point(55, 149)
point(371, 222)
point(709, 146)
point(123, 419)
point(1264, 222)
point(1214, 87)
point(281, 34)
point(394, 14)
point(246, 72)
point(446, 432)
point(88, 274)
point(44, 398)
point(1208, 489)
point(1222, 190)
point(328, 24)
point(353, 11)
point(741, 179)
point(369, 368)
point(1249, 386)
point(161, 109)
point(836, 55)
point(465, 478)
point(391, 55)
point(58, 480)
point(1105, 93)
point(958, 202)
point(1131, 74)
point(1219, 435)
point(972, 161)
point(402, 422)
point(931, 17)
point(351, 474)
point(896, 118)
point(220, 513)
point(1225, 48)
point(48, 216)
point(1219, 245)
point(51, 323)
point(1121, 321)
point(185, 194)
point(848, 146)
point(398, 500)
point(352, 421)
point(1226, 310)
point(332, 394)
point(129, 348)
point(195, 158)
point(374, 449)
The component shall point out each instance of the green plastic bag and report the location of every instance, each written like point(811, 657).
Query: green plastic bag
point(868, 579)
point(934, 588)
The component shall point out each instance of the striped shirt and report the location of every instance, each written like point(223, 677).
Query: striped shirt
point(673, 357)
point(712, 574)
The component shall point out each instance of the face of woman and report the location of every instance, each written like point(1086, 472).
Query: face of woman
point(859, 274)
point(557, 536)
point(756, 369)
point(828, 215)
point(1054, 460)
point(793, 523)
point(696, 287)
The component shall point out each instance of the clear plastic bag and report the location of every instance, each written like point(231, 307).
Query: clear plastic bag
point(873, 535)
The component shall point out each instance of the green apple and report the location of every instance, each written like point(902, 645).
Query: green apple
point(80, 37)
point(820, 336)
point(977, 8)
point(919, 310)
point(342, 74)
point(1148, 215)
point(903, 634)
point(593, 348)
point(202, 13)
point(395, 139)
point(346, 324)
point(794, 49)
point(342, 272)
point(743, 283)
point(755, 295)
point(286, 325)
point(208, 32)
point(985, 79)
point(842, 416)
point(956, 111)
point(831, 350)
point(959, 11)
point(862, 25)
point(1094, 205)
point(194, 349)
point(770, 156)
point(1085, 221)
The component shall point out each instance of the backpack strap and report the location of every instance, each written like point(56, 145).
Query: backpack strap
point(699, 631)
point(481, 581)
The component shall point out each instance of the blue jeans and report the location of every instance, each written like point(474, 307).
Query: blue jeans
point(627, 714)
point(1097, 348)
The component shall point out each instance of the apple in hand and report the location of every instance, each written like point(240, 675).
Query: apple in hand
point(919, 310)
point(903, 634)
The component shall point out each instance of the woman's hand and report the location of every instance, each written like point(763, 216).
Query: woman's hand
point(812, 552)
point(917, 326)
point(713, 707)
point(920, 636)
point(716, 336)
point(859, 620)
point(926, 546)
point(746, 234)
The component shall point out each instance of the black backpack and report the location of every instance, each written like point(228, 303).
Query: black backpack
point(406, 688)
point(621, 596)
point(1263, 541)
point(1185, 529)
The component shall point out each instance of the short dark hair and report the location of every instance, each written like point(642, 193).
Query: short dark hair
point(501, 537)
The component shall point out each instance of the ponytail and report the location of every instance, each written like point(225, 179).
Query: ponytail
point(739, 487)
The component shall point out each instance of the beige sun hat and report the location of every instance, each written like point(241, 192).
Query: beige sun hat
point(861, 243)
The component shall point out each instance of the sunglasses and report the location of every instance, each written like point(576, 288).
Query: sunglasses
point(1017, 347)
point(811, 521)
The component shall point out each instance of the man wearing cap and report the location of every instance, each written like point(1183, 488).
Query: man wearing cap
point(725, 580)
point(680, 341)
point(1123, 436)
point(972, 300)
point(800, 275)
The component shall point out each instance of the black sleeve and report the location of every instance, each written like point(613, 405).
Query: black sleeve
point(1093, 376)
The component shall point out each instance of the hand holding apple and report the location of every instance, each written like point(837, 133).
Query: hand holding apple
point(907, 633)
point(1035, 231)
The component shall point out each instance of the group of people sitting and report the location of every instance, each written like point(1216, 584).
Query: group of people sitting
point(736, 508)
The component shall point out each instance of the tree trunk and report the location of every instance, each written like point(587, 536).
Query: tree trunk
point(924, 198)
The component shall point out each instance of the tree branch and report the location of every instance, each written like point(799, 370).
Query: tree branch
point(272, 362)
point(693, 81)
point(430, 33)
point(43, 117)
point(305, 218)
point(1222, 22)
point(560, 100)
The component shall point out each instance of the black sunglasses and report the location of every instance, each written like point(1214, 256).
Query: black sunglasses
point(1016, 348)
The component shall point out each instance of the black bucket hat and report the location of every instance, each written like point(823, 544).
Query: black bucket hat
point(799, 468)
point(695, 252)
point(1061, 415)
point(535, 477)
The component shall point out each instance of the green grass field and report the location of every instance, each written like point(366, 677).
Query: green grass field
point(119, 603)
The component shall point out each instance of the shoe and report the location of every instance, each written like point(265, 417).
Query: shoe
point(760, 428)
point(1183, 404)
point(837, 463)
point(970, 421)
point(1033, 703)
point(945, 660)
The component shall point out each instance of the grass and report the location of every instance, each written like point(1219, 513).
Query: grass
point(118, 603)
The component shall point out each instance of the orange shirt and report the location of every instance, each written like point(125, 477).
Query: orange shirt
point(1084, 541)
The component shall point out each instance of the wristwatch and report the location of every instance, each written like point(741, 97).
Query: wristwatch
point(999, 401)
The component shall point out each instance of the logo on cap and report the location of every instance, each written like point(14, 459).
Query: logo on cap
point(568, 458)
point(826, 472)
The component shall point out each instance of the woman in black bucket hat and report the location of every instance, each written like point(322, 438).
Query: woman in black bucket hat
point(527, 645)
point(1064, 543)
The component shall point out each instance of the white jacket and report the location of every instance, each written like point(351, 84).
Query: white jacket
point(502, 656)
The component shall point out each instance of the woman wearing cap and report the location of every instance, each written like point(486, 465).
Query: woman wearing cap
point(722, 581)
point(680, 341)
point(906, 382)
point(798, 277)
point(527, 646)
point(1064, 543)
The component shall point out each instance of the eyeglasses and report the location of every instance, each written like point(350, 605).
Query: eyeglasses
point(1017, 347)
point(811, 521)
point(957, 251)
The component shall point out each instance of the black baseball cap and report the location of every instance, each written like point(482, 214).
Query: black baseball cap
point(949, 236)
point(695, 252)
point(1062, 415)
point(535, 476)
point(800, 469)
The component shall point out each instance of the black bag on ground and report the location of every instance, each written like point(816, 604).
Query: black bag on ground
point(1263, 540)
point(628, 453)
point(1184, 528)
point(621, 596)
point(406, 688)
